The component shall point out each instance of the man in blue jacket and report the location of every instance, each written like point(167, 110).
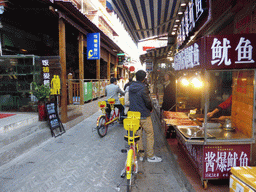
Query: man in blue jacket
point(140, 101)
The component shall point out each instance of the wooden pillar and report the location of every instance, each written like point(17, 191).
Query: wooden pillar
point(62, 53)
point(108, 66)
point(98, 69)
point(154, 63)
point(115, 68)
point(81, 66)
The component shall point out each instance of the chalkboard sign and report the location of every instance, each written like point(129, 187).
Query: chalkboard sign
point(54, 120)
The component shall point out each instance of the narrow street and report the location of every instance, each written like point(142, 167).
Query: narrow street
point(80, 161)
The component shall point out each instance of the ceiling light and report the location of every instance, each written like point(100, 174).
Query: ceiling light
point(175, 25)
point(180, 13)
point(174, 29)
point(183, 4)
point(177, 20)
point(173, 33)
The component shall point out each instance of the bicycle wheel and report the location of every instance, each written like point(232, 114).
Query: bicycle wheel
point(129, 185)
point(102, 128)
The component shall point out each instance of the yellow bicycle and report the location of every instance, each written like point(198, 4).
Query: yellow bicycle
point(131, 124)
point(103, 121)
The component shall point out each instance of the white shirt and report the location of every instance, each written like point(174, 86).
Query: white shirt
point(112, 91)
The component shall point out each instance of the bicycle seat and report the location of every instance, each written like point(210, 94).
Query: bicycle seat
point(131, 124)
point(111, 101)
point(102, 104)
point(136, 138)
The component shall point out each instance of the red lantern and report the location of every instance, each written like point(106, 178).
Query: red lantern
point(132, 68)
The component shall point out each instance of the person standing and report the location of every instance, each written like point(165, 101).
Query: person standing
point(140, 101)
point(128, 84)
point(169, 97)
point(112, 90)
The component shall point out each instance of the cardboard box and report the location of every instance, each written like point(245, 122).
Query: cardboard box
point(236, 185)
point(243, 179)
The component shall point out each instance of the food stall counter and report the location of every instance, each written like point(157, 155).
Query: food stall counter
point(210, 154)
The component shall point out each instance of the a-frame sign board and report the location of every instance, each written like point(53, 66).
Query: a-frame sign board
point(55, 124)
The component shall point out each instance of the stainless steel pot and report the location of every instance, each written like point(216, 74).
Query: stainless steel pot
point(227, 126)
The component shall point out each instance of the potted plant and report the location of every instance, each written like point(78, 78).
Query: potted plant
point(42, 93)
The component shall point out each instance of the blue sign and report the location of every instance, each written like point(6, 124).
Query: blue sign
point(93, 46)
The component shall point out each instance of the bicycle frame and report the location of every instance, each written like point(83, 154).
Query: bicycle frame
point(131, 124)
point(114, 117)
point(131, 159)
point(103, 121)
point(103, 105)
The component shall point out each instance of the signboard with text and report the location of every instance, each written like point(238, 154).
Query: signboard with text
point(218, 52)
point(195, 11)
point(218, 159)
point(93, 46)
point(149, 66)
point(56, 126)
point(51, 72)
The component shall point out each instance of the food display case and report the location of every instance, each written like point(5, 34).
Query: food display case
point(215, 144)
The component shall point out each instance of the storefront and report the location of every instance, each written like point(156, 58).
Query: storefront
point(209, 72)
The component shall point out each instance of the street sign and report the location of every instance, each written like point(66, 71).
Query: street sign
point(93, 46)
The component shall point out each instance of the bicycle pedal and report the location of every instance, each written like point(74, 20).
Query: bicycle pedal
point(123, 173)
point(123, 150)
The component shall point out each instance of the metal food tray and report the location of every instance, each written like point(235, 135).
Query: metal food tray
point(193, 132)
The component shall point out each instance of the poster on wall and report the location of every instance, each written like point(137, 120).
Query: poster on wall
point(149, 66)
point(93, 46)
point(87, 91)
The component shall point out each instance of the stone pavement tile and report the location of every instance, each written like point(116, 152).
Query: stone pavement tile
point(80, 160)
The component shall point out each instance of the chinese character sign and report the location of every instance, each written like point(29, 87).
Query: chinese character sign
point(93, 46)
point(187, 58)
point(51, 71)
point(218, 159)
point(219, 52)
point(230, 52)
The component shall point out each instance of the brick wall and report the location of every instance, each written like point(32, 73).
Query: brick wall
point(242, 101)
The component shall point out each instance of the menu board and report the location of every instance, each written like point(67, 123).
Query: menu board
point(53, 119)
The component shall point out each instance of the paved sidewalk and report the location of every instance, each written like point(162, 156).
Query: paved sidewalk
point(81, 161)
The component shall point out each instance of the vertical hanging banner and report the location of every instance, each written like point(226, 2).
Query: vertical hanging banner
point(51, 71)
point(93, 46)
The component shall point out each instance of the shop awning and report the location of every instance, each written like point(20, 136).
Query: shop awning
point(145, 19)
point(157, 53)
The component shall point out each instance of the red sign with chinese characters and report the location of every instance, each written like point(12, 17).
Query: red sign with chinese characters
point(217, 52)
point(230, 52)
point(218, 159)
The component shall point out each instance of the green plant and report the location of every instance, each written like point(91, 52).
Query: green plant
point(41, 92)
